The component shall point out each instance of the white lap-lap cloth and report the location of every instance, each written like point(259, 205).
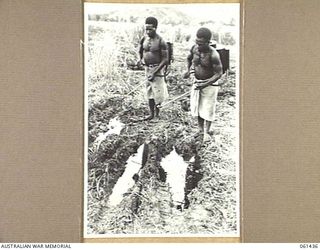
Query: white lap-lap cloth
point(203, 102)
point(156, 89)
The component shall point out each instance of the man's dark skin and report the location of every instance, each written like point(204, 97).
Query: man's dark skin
point(151, 55)
point(207, 70)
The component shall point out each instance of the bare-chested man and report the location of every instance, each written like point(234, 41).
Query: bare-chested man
point(207, 70)
point(153, 52)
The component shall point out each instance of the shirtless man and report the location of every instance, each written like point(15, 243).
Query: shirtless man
point(153, 52)
point(207, 70)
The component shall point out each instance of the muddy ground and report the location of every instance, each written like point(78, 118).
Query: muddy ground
point(210, 205)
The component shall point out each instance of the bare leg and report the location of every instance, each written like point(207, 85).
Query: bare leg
point(157, 110)
point(151, 107)
point(201, 124)
point(206, 136)
point(208, 125)
point(199, 135)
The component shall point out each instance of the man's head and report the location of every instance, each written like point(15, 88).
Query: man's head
point(203, 37)
point(151, 26)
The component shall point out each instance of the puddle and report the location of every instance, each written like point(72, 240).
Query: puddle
point(126, 181)
point(181, 176)
point(115, 126)
point(176, 169)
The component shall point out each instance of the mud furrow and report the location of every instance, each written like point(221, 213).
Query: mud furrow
point(148, 208)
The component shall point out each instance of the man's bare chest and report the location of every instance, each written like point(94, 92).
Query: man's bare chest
point(202, 59)
point(151, 45)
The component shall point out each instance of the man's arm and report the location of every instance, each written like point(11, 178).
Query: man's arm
point(189, 63)
point(164, 56)
point(141, 50)
point(216, 67)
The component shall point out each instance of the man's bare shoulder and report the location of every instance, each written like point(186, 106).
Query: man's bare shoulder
point(214, 52)
point(194, 48)
point(163, 43)
point(215, 57)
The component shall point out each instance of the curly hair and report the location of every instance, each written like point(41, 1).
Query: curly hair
point(204, 33)
point(152, 20)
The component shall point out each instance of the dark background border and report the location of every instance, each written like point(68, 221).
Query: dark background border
point(42, 121)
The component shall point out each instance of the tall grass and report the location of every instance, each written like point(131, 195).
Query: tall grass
point(114, 45)
point(110, 48)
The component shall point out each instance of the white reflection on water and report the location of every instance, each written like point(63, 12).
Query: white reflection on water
point(176, 169)
point(126, 181)
point(115, 126)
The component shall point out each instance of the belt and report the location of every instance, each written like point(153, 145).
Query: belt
point(152, 65)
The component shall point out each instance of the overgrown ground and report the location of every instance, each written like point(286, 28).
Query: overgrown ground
point(210, 205)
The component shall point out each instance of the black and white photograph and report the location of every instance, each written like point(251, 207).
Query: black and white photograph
point(162, 139)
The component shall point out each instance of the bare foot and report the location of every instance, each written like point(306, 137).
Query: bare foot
point(206, 137)
point(150, 117)
point(198, 136)
point(155, 119)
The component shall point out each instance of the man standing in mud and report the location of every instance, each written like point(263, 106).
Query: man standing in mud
point(154, 54)
point(207, 71)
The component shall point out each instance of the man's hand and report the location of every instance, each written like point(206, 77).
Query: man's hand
point(139, 63)
point(199, 87)
point(151, 77)
point(200, 84)
point(186, 75)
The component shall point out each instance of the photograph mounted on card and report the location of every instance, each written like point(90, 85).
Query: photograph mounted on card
point(162, 120)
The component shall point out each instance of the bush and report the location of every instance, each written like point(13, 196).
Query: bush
point(228, 39)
